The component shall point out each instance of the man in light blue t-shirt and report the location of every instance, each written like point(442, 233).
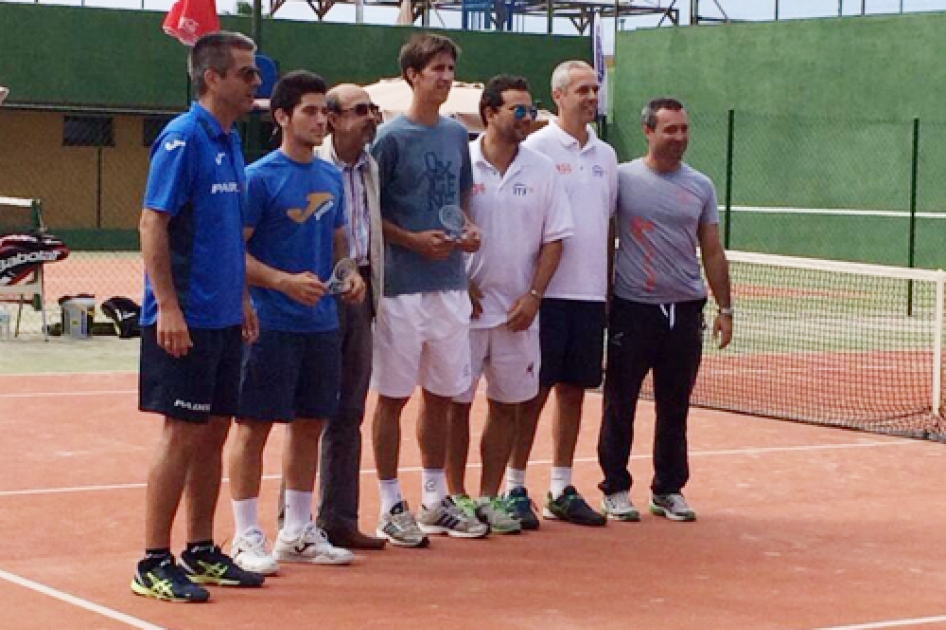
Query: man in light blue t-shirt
point(294, 226)
point(422, 328)
point(665, 210)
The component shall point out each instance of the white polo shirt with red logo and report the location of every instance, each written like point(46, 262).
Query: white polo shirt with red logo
point(589, 176)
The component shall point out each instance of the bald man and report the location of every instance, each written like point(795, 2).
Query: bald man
point(353, 120)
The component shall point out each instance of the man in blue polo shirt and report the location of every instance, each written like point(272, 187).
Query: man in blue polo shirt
point(295, 228)
point(194, 317)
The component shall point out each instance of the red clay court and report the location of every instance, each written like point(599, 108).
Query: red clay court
point(800, 528)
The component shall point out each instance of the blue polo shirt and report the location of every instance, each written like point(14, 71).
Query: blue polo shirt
point(294, 209)
point(197, 177)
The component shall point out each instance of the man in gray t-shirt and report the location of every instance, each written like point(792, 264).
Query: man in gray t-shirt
point(665, 210)
point(422, 330)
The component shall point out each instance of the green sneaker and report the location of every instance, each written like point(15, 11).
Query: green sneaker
point(465, 503)
point(163, 579)
point(495, 512)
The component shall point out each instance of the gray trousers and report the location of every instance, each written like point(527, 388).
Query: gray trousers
point(340, 461)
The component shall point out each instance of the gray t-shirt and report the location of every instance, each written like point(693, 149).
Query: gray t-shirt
point(422, 169)
point(658, 217)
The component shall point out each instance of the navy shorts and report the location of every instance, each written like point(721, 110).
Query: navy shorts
point(291, 375)
point(571, 333)
point(205, 382)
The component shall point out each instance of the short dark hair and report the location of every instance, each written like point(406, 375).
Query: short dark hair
point(290, 89)
point(492, 97)
point(649, 113)
point(212, 52)
point(421, 48)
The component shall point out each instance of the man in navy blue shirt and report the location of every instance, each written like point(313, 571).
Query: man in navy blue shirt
point(195, 315)
point(295, 229)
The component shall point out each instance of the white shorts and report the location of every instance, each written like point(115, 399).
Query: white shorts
point(422, 339)
point(510, 362)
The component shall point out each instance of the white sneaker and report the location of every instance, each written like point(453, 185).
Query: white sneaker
point(672, 506)
point(249, 551)
point(310, 546)
point(618, 507)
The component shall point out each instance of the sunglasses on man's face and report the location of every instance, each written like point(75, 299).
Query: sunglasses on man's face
point(248, 73)
point(361, 109)
point(521, 111)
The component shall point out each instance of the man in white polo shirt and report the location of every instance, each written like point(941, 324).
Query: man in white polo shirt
point(518, 202)
point(573, 308)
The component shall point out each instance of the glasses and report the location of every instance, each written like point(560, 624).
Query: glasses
point(361, 109)
point(521, 111)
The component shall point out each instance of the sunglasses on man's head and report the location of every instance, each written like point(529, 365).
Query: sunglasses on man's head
point(520, 111)
point(361, 109)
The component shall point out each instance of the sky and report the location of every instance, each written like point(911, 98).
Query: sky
point(735, 9)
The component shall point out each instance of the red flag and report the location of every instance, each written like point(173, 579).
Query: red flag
point(189, 19)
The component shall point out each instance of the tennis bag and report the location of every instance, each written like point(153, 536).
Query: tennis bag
point(22, 253)
point(125, 314)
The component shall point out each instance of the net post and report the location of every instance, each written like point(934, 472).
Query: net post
point(729, 150)
point(938, 343)
point(914, 168)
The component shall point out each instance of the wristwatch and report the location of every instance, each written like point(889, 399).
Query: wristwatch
point(535, 294)
point(728, 311)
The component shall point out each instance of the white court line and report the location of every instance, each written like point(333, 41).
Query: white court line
point(61, 374)
point(538, 462)
point(100, 392)
point(897, 623)
point(128, 620)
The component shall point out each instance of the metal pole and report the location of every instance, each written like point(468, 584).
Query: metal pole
point(911, 254)
point(729, 151)
point(549, 16)
point(840, 8)
point(938, 345)
point(863, 7)
point(776, 10)
point(359, 11)
point(256, 27)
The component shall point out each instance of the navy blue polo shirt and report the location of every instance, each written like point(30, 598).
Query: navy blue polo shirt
point(197, 177)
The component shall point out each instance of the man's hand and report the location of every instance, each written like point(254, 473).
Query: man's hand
point(722, 328)
point(433, 244)
point(476, 295)
point(471, 238)
point(522, 312)
point(354, 293)
point(173, 335)
point(250, 322)
point(305, 287)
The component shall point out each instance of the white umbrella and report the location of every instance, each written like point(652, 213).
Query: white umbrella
point(393, 96)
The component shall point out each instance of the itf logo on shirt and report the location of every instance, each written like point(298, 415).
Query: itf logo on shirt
point(520, 190)
point(597, 171)
point(318, 204)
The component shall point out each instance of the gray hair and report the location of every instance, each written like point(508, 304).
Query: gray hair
point(649, 113)
point(560, 78)
point(212, 52)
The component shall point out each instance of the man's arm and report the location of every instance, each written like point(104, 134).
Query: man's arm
point(305, 287)
point(432, 244)
point(172, 333)
point(524, 309)
point(717, 274)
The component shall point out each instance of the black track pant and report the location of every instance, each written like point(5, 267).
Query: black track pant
point(667, 339)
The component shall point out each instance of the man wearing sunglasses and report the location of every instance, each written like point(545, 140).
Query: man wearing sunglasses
point(573, 308)
point(353, 121)
point(195, 315)
point(520, 205)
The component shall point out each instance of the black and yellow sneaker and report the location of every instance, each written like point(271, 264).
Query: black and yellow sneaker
point(162, 579)
point(209, 565)
point(571, 508)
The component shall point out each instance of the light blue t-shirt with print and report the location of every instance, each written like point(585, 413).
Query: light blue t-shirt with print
point(294, 209)
point(658, 218)
point(423, 168)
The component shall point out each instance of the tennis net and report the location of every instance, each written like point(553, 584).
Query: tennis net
point(843, 344)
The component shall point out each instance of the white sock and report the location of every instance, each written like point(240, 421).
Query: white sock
point(245, 514)
point(561, 479)
point(515, 479)
point(434, 486)
point(390, 491)
point(298, 512)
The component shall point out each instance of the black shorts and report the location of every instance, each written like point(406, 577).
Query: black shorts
point(291, 375)
point(572, 338)
point(205, 382)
